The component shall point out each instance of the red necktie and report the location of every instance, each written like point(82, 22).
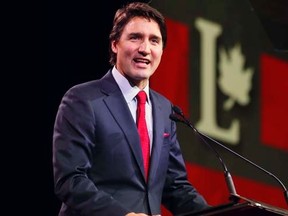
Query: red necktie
point(142, 129)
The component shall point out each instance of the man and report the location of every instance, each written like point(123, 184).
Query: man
point(99, 165)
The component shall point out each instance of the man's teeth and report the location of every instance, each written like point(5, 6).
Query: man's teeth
point(142, 61)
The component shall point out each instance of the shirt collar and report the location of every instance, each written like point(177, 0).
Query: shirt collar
point(127, 90)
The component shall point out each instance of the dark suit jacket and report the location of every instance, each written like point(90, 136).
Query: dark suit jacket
point(97, 161)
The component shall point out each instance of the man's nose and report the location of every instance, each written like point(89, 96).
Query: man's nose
point(144, 47)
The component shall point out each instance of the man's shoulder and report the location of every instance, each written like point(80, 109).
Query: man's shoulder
point(85, 86)
point(91, 85)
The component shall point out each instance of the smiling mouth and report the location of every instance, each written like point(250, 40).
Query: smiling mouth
point(139, 60)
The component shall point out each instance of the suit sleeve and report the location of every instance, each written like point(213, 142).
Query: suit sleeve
point(73, 141)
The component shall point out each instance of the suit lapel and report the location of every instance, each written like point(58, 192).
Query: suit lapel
point(118, 107)
point(158, 131)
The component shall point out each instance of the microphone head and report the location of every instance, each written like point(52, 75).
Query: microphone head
point(177, 110)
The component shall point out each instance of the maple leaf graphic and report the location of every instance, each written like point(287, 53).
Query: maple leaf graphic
point(234, 80)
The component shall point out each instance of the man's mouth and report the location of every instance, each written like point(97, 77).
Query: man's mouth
point(140, 60)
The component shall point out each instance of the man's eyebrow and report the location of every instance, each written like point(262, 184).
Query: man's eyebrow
point(156, 37)
point(141, 34)
point(135, 34)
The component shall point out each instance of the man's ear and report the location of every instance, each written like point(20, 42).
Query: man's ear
point(114, 46)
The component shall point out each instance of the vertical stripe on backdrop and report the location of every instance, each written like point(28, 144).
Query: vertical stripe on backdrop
point(172, 76)
point(274, 102)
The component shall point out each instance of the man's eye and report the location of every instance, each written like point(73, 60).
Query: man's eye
point(155, 40)
point(134, 38)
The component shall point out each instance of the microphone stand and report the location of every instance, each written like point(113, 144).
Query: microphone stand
point(180, 117)
point(227, 175)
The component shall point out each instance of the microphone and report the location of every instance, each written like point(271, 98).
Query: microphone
point(178, 116)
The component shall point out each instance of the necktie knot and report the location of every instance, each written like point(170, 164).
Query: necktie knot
point(141, 97)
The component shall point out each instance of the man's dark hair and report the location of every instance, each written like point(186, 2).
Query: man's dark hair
point(128, 12)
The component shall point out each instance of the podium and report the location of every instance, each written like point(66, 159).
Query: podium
point(241, 206)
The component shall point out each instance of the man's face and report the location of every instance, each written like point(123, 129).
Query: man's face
point(138, 50)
